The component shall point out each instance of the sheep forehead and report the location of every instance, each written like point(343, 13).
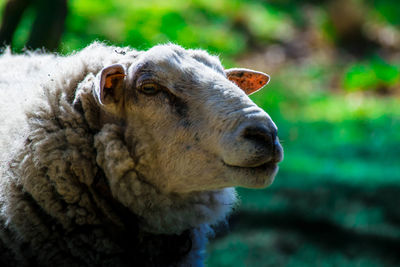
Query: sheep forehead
point(172, 57)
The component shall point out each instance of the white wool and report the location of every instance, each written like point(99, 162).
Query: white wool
point(97, 172)
point(48, 151)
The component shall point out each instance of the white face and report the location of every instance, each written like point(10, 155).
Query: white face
point(189, 127)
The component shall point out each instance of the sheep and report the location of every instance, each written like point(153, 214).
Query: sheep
point(116, 157)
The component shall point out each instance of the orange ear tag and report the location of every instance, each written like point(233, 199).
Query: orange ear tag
point(249, 81)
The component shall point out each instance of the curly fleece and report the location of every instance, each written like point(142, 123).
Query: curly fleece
point(69, 191)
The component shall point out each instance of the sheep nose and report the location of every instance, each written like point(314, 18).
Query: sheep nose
point(260, 136)
point(261, 144)
point(253, 144)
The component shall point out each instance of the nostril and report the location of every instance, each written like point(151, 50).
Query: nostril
point(260, 134)
point(254, 144)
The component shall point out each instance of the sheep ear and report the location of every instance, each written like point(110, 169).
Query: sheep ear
point(109, 90)
point(249, 81)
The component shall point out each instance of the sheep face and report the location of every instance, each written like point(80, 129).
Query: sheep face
point(187, 122)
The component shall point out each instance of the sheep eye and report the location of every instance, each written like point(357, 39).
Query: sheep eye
point(150, 88)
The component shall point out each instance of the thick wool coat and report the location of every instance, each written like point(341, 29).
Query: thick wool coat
point(58, 160)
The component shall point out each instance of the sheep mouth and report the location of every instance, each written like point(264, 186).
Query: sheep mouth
point(269, 167)
point(260, 176)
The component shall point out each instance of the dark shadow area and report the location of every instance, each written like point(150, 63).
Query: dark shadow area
point(327, 196)
point(321, 232)
point(310, 216)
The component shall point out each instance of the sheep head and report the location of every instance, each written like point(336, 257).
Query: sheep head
point(189, 123)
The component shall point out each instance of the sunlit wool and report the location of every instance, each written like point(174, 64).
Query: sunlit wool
point(85, 186)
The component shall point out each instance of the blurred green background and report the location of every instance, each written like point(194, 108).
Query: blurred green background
point(334, 94)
